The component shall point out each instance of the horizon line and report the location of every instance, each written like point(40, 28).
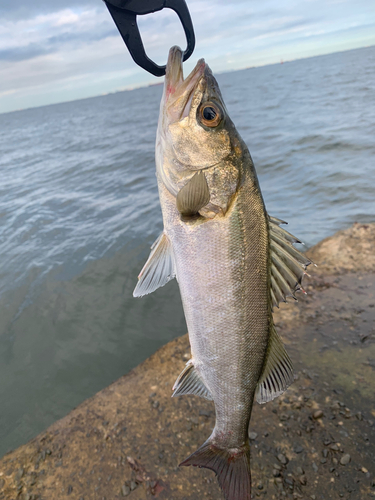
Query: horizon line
point(154, 84)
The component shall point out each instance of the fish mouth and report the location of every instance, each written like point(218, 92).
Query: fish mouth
point(179, 91)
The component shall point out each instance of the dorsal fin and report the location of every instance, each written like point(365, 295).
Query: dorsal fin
point(190, 382)
point(288, 265)
point(159, 267)
point(277, 374)
point(193, 196)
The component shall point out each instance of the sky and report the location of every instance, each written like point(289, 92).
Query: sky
point(61, 50)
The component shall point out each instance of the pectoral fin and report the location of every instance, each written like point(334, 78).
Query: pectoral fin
point(193, 196)
point(190, 382)
point(277, 374)
point(159, 268)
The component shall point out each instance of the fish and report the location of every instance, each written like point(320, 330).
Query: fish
point(233, 263)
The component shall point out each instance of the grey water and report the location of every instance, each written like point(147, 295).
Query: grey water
point(79, 210)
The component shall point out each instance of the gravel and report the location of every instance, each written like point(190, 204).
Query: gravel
point(282, 458)
point(345, 459)
point(317, 414)
point(125, 490)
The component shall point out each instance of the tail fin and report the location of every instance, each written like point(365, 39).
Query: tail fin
point(232, 468)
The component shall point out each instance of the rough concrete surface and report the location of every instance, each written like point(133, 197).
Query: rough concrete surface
point(314, 442)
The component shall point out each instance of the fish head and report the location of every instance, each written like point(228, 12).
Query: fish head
point(194, 131)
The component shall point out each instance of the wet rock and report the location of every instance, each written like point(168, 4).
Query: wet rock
point(317, 414)
point(345, 459)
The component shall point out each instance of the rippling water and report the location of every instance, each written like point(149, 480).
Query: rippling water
point(79, 209)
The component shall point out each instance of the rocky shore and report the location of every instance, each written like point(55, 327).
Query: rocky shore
point(317, 441)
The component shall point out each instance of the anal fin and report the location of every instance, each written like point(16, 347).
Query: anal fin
point(159, 267)
point(277, 374)
point(190, 382)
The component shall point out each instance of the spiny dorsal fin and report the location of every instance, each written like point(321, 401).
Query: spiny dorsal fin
point(193, 196)
point(277, 374)
point(159, 268)
point(190, 382)
point(288, 265)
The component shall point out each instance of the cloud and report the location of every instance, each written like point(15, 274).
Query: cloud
point(16, 10)
point(52, 33)
point(52, 44)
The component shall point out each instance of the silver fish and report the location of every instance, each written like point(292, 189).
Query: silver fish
point(233, 263)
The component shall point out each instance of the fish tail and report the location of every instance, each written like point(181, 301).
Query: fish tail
point(231, 466)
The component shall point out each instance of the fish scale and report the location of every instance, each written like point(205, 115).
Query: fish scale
point(233, 264)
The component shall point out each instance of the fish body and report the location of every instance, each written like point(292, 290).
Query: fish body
point(222, 270)
point(231, 262)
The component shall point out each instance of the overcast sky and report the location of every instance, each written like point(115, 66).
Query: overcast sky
point(61, 50)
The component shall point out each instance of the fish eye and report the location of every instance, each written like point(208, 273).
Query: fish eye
point(210, 114)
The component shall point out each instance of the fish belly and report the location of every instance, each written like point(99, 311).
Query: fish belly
point(222, 271)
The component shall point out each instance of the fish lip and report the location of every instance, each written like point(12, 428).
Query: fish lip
point(176, 87)
point(174, 71)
